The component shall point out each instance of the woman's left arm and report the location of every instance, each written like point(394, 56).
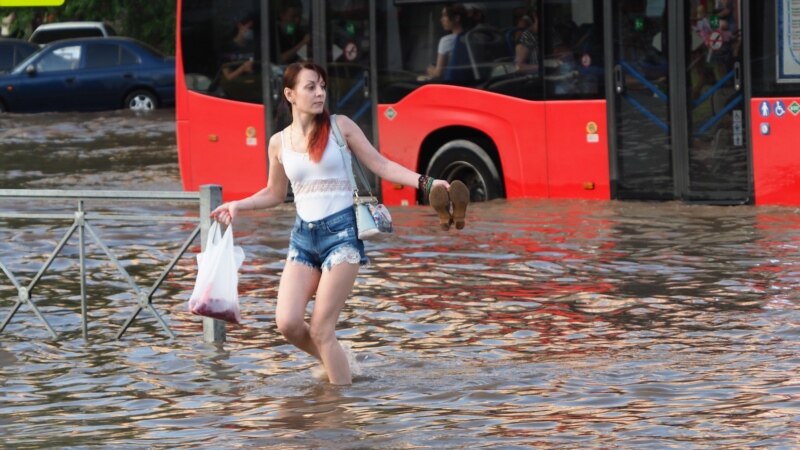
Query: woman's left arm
point(380, 165)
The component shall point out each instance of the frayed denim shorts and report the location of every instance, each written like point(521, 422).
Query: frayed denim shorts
point(324, 243)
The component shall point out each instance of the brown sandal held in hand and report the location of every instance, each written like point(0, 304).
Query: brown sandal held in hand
point(459, 195)
point(440, 201)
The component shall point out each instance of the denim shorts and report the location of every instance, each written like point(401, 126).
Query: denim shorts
point(324, 243)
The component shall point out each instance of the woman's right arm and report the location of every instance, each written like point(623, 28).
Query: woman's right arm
point(272, 195)
point(438, 70)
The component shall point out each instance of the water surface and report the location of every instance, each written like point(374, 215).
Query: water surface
point(552, 324)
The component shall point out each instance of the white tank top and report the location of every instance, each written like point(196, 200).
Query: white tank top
point(322, 188)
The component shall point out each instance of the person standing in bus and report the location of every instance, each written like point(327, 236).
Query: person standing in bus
point(324, 251)
point(291, 40)
point(452, 19)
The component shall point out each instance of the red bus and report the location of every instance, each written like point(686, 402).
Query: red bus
point(620, 99)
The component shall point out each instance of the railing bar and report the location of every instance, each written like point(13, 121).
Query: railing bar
point(129, 322)
point(161, 321)
point(10, 276)
point(174, 262)
point(52, 256)
point(115, 195)
point(36, 216)
point(14, 310)
point(97, 217)
point(112, 258)
point(41, 317)
point(139, 218)
point(82, 259)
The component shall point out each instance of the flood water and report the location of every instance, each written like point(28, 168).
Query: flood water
point(547, 324)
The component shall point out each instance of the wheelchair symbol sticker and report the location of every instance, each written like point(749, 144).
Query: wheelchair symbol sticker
point(780, 108)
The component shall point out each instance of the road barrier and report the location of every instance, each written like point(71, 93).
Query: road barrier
point(208, 198)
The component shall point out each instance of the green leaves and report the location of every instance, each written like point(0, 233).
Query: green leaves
point(145, 20)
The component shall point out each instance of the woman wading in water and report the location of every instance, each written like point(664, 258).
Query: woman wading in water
point(324, 250)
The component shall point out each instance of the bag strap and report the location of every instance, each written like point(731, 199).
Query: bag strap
point(337, 134)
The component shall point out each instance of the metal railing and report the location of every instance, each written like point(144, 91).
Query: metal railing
point(208, 198)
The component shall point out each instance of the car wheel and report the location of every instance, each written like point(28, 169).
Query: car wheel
point(467, 161)
point(141, 100)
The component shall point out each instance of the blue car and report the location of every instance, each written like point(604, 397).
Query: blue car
point(90, 74)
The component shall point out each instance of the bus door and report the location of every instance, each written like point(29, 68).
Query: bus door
point(678, 102)
point(342, 29)
point(348, 61)
point(290, 31)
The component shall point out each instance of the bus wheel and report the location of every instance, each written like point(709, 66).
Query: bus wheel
point(141, 100)
point(467, 161)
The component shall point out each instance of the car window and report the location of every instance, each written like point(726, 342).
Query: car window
point(102, 55)
point(63, 58)
point(127, 57)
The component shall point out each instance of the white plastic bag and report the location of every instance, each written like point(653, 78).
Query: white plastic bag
point(216, 292)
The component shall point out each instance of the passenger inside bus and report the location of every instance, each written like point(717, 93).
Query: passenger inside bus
point(526, 56)
point(238, 76)
point(241, 50)
point(452, 19)
point(292, 39)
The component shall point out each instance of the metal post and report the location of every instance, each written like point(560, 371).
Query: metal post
point(210, 198)
point(79, 219)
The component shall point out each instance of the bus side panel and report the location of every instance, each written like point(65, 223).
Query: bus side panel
point(231, 150)
point(184, 156)
point(577, 149)
point(181, 113)
point(516, 127)
point(776, 161)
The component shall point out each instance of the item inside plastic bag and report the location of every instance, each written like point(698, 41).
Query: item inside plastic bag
point(216, 293)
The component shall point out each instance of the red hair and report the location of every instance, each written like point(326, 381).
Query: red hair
point(322, 123)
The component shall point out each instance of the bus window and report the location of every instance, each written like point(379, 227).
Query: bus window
point(476, 41)
point(291, 37)
point(774, 73)
point(573, 49)
point(221, 48)
point(290, 41)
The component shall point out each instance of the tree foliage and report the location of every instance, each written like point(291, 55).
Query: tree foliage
point(146, 20)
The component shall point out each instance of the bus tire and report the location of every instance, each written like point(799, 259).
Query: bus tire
point(467, 161)
point(141, 100)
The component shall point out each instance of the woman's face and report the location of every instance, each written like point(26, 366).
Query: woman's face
point(308, 94)
point(447, 24)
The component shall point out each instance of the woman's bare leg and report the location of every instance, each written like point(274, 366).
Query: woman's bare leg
point(335, 286)
point(297, 285)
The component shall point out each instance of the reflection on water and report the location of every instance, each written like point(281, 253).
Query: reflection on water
point(562, 324)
